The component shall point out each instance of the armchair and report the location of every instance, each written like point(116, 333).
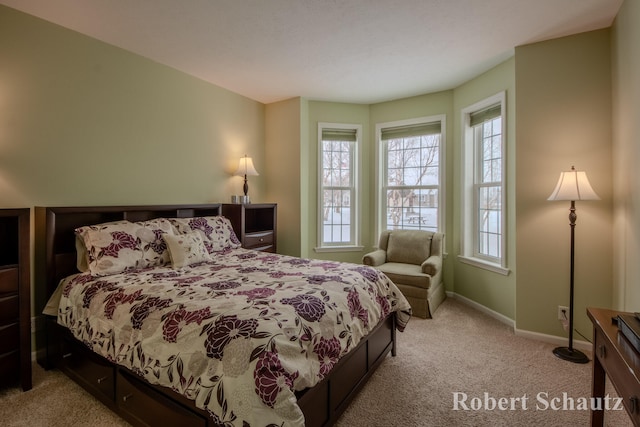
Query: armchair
point(412, 259)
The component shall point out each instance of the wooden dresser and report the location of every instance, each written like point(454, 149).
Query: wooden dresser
point(15, 299)
point(255, 224)
point(615, 357)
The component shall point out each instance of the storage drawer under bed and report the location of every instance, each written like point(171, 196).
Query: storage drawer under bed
point(140, 404)
point(88, 369)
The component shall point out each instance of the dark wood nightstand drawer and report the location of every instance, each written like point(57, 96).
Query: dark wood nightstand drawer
point(259, 239)
point(144, 406)
point(9, 308)
point(8, 280)
point(9, 337)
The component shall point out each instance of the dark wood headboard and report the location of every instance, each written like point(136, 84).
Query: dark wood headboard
point(55, 250)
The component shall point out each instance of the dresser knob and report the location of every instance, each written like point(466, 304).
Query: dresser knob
point(127, 397)
point(602, 351)
point(67, 355)
point(101, 380)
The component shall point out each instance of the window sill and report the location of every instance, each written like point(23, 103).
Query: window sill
point(486, 265)
point(339, 249)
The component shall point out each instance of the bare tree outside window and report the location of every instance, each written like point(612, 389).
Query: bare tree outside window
point(337, 186)
point(336, 197)
point(483, 182)
point(489, 187)
point(412, 178)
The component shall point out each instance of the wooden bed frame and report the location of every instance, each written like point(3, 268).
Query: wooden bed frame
point(129, 395)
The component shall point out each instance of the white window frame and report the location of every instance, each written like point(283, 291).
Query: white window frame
point(354, 244)
point(381, 161)
point(470, 166)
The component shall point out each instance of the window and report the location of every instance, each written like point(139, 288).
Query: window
point(411, 171)
point(337, 192)
point(484, 184)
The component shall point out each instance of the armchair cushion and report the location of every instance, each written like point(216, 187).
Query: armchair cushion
point(407, 246)
point(406, 274)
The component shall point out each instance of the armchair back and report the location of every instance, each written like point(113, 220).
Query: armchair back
point(410, 246)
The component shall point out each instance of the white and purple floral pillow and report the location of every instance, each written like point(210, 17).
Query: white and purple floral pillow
point(154, 247)
point(186, 249)
point(216, 231)
point(119, 246)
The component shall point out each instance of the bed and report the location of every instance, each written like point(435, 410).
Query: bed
point(203, 332)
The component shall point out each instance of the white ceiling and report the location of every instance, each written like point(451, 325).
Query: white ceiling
point(360, 51)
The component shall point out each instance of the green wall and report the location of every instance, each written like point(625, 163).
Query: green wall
point(626, 156)
point(335, 112)
point(283, 157)
point(563, 109)
point(492, 290)
point(86, 123)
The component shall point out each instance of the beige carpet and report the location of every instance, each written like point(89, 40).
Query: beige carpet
point(460, 351)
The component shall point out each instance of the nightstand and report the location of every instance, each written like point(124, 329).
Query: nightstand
point(15, 298)
point(254, 224)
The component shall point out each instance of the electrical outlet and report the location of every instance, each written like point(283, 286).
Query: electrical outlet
point(563, 312)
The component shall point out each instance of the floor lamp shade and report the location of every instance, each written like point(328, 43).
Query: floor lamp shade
point(573, 185)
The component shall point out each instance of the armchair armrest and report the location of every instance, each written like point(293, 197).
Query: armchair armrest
point(432, 265)
point(377, 257)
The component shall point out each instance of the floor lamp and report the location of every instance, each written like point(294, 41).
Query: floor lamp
point(572, 186)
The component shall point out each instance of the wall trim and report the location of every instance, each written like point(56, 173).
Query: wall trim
point(552, 339)
point(494, 314)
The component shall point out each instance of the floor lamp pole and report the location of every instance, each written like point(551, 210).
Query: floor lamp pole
point(569, 353)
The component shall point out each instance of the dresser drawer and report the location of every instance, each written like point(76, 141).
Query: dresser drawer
point(9, 367)
point(88, 368)
point(9, 308)
point(143, 405)
point(615, 367)
point(9, 337)
point(8, 280)
point(258, 240)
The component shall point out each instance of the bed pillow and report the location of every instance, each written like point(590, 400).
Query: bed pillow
point(216, 231)
point(154, 247)
point(82, 256)
point(186, 249)
point(119, 246)
point(111, 247)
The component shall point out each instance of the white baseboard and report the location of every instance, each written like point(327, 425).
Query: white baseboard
point(494, 314)
point(552, 339)
point(559, 341)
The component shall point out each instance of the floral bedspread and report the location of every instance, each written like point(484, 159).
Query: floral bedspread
point(237, 335)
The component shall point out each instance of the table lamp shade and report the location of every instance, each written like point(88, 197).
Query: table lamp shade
point(245, 167)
